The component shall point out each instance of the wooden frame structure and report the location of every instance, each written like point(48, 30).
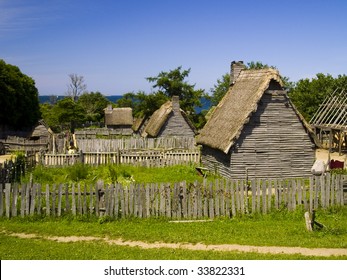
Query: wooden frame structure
point(329, 123)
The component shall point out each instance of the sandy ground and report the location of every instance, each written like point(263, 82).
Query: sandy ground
point(317, 252)
point(322, 154)
point(3, 158)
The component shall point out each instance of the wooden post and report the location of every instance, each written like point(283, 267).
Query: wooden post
point(32, 198)
point(7, 199)
point(85, 199)
point(73, 200)
point(60, 195)
point(14, 200)
point(48, 210)
point(308, 221)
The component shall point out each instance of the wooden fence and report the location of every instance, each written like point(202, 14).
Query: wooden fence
point(150, 158)
point(175, 201)
point(136, 143)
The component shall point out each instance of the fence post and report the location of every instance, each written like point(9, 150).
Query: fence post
point(7, 199)
point(1, 200)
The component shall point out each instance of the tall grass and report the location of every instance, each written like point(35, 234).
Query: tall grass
point(112, 173)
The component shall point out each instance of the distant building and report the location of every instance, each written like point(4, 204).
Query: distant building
point(119, 119)
point(169, 120)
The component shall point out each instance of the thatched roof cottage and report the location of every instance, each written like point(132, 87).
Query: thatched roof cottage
point(255, 130)
point(169, 120)
point(119, 119)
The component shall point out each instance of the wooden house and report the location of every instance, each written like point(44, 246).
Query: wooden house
point(169, 121)
point(255, 131)
point(119, 119)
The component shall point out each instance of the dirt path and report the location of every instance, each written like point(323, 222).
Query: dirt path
point(317, 252)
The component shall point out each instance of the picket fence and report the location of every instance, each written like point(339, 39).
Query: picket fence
point(148, 158)
point(175, 201)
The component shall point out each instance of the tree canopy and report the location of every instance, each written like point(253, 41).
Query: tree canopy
point(18, 98)
point(93, 104)
point(308, 94)
point(173, 83)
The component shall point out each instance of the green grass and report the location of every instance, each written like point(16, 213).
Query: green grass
point(276, 229)
point(111, 174)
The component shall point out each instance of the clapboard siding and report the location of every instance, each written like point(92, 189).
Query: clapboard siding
point(176, 125)
point(215, 161)
point(273, 143)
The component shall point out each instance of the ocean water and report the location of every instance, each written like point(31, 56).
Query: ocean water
point(206, 104)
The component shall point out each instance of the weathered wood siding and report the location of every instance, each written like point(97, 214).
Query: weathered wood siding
point(274, 143)
point(215, 161)
point(176, 125)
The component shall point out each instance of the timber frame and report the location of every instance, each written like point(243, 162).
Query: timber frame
point(329, 123)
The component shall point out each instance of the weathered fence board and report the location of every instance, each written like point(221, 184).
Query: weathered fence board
point(133, 143)
point(148, 158)
point(175, 201)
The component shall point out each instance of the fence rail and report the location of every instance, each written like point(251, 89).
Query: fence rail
point(150, 158)
point(175, 201)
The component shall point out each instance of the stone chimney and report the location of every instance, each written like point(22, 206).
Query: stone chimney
point(175, 103)
point(235, 69)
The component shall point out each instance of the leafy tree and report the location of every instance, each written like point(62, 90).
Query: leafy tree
point(93, 104)
point(69, 113)
point(173, 83)
point(142, 104)
point(76, 87)
point(18, 98)
point(49, 115)
point(220, 89)
point(307, 95)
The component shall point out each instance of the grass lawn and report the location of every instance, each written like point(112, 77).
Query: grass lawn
point(277, 229)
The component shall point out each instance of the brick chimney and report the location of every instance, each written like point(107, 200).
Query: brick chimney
point(175, 103)
point(235, 69)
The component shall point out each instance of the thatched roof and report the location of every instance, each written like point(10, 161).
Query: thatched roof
point(234, 110)
point(159, 118)
point(119, 116)
point(40, 131)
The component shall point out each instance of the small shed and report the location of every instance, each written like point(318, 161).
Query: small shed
point(169, 120)
point(256, 131)
point(119, 119)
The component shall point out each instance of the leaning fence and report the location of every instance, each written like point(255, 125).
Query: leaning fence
point(219, 198)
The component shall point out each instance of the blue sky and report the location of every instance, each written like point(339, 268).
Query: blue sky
point(115, 45)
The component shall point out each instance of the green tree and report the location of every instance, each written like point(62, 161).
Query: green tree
point(93, 104)
point(18, 98)
point(142, 104)
point(50, 117)
point(173, 83)
point(220, 89)
point(308, 94)
point(69, 113)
